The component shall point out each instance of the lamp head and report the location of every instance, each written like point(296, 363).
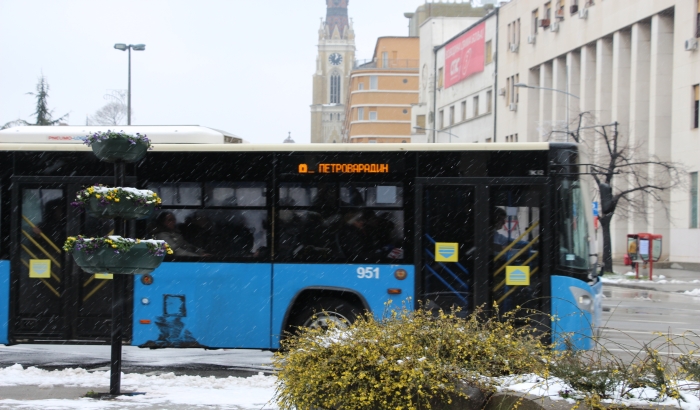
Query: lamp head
point(521, 85)
point(120, 46)
point(138, 47)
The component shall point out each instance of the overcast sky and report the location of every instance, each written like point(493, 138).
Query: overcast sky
point(244, 66)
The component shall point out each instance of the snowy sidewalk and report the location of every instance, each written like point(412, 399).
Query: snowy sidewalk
point(33, 388)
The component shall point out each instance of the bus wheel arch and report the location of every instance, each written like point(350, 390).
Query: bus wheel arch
point(316, 307)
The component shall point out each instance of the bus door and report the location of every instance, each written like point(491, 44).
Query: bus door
point(479, 243)
point(51, 297)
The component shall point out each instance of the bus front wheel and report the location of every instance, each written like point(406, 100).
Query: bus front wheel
point(325, 311)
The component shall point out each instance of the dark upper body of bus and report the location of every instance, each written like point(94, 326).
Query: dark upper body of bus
point(310, 205)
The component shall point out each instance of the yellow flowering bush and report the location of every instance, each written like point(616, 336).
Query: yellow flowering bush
point(407, 360)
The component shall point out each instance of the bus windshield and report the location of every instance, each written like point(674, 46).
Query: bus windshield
point(573, 235)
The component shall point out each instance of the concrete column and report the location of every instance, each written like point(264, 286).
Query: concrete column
point(660, 109)
point(639, 108)
point(545, 121)
point(588, 88)
point(573, 61)
point(620, 112)
point(603, 84)
point(533, 105)
point(559, 81)
point(621, 81)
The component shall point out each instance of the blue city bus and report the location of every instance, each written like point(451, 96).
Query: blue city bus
point(268, 238)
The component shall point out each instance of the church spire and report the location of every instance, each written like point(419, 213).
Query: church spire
point(337, 16)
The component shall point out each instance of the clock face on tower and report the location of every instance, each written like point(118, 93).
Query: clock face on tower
point(335, 59)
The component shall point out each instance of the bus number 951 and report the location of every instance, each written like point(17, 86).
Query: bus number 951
point(367, 273)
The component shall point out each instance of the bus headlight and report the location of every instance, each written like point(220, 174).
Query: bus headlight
point(583, 298)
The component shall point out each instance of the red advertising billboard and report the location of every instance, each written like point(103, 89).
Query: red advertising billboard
point(464, 55)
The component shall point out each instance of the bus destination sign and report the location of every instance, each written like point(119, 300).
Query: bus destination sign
point(345, 169)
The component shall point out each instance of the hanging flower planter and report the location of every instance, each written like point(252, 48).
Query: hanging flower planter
point(109, 203)
point(114, 254)
point(112, 146)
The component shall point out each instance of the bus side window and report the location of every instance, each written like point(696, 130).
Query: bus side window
point(340, 224)
point(228, 222)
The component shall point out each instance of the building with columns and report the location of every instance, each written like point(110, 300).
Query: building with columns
point(336, 55)
point(632, 62)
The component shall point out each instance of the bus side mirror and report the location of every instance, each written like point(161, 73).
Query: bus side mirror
point(606, 198)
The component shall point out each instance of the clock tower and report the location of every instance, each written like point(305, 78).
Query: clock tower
point(336, 55)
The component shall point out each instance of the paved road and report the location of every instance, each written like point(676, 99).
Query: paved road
point(639, 313)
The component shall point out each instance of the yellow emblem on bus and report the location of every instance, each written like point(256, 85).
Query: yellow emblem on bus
point(40, 268)
point(518, 275)
point(446, 252)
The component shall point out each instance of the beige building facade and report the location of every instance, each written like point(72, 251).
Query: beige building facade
point(632, 62)
point(336, 55)
point(381, 93)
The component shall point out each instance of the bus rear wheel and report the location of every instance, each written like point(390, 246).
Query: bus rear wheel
point(327, 312)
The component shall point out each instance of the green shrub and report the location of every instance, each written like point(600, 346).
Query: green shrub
point(405, 361)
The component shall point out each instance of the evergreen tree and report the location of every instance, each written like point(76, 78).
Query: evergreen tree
point(44, 116)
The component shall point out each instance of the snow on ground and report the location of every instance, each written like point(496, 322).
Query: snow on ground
point(643, 397)
point(255, 392)
point(661, 280)
point(694, 292)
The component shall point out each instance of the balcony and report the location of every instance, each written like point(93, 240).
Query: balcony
point(387, 64)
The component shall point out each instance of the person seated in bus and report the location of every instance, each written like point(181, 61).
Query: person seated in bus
point(498, 219)
point(167, 230)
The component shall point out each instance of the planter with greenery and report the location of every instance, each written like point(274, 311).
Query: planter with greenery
point(109, 203)
point(114, 254)
point(112, 146)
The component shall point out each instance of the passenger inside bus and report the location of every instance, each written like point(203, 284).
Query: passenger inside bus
point(167, 230)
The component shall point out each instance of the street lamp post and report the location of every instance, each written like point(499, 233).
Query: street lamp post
point(433, 129)
point(568, 94)
point(124, 47)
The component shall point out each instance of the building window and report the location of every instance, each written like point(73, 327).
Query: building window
point(697, 21)
point(488, 140)
point(476, 105)
point(361, 86)
point(441, 119)
point(548, 12)
point(464, 110)
point(489, 101)
point(516, 137)
point(335, 88)
point(517, 31)
point(560, 10)
point(696, 106)
point(385, 59)
point(693, 199)
point(439, 79)
point(516, 90)
point(508, 93)
point(373, 82)
point(452, 115)
point(420, 123)
point(489, 53)
point(373, 116)
point(361, 114)
point(535, 21)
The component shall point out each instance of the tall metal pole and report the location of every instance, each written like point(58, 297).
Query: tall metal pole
point(118, 290)
point(128, 93)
